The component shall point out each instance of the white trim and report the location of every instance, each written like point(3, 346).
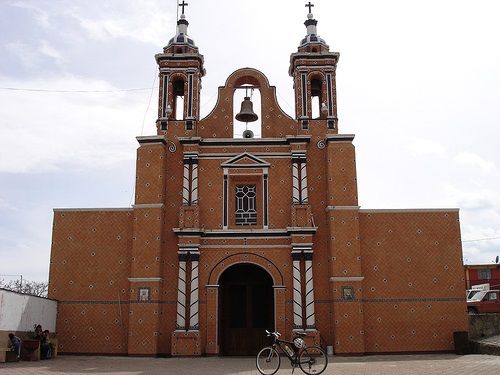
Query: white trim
point(145, 279)
point(346, 278)
point(92, 209)
point(298, 248)
point(341, 137)
point(245, 246)
point(156, 138)
point(192, 248)
point(302, 244)
point(409, 210)
point(340, 208)
point(255, 162)
point(147, 205)
point(212, 285)
point(224, 156)
point(301, 229)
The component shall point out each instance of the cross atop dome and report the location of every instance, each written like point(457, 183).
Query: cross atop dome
point(312, 35)
point(183, 4)
point(181, 38)
point(310, 5)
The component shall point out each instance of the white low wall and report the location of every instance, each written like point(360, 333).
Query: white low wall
point(19, 312)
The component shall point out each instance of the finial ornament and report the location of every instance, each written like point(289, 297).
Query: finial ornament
point(308, 5)
point(183, 4)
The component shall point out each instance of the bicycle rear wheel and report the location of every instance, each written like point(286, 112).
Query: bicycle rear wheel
point(268, 361)
point(313, 360)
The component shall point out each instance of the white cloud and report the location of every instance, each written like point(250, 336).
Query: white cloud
point(471, 159)
point(41, 16)
point(24, 53)
point(143, 21)
point(46, 49)
point(47, 131)
point(426, 147)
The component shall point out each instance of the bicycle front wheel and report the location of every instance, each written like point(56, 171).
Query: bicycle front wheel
point(268, 361)
point(313, 360)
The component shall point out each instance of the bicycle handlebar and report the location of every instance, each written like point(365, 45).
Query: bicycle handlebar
point(275, 334)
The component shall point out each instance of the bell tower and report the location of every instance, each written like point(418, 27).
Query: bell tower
point(313, 69)
point(181, 70)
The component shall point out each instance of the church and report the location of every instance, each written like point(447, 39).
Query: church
point(231, 235)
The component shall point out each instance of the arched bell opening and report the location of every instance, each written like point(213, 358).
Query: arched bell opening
point(178, 99)
point(316, 97)
point(247, 100)
point(246, 309)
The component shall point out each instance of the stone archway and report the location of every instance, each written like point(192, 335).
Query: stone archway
point(246, 309)
point(214, 344)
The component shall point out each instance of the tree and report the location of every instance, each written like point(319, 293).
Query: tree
point(35, 288)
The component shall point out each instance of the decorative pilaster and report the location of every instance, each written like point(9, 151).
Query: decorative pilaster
point(181, 293)
point(299, 179)
point(194, 181)
point(194, 302)
point(310, 318)
point(190, 180)
point(297, 292)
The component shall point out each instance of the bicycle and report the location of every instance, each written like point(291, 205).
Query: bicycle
point(312, 360)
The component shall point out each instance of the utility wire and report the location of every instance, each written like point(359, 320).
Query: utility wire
point(482, 239)
point(73, 91)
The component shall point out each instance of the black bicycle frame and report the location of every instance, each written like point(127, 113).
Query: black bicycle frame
point(294, 360)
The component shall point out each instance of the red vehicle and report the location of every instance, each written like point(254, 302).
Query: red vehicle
point(484, 301)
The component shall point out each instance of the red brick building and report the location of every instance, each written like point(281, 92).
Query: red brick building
point(230, 236)
point(476, 274)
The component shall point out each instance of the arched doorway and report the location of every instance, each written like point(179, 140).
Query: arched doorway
point(246, 308)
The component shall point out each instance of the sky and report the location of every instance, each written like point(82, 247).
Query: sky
point(418, 82)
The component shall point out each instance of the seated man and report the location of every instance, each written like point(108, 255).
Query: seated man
point(15, 344)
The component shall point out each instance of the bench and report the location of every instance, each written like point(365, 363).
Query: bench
point(7, 355)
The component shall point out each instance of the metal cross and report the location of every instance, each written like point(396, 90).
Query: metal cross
point(184, 4)
point(307, 5)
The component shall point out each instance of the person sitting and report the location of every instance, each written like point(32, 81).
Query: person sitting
point(38, 332)
point(15, 344)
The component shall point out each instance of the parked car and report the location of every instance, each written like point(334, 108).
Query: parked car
point(469, 293)
point(484, 301)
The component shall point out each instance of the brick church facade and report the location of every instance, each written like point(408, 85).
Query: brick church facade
point(231, 236)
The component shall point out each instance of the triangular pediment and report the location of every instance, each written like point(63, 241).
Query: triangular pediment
point(245, 160)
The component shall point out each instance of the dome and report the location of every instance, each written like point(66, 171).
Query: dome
point(181, 37)
point(312, 38)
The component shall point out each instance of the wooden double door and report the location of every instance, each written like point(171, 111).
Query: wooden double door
point(246, 308)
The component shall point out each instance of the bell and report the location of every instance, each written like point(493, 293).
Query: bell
point(248, 134)
point(246, 113)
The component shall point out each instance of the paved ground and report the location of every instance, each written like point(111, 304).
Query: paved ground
point(431, 364)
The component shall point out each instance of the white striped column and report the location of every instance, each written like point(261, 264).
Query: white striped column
point(297, 292)
point(299, 179)
point(194, 181)
point(309, 300)
point(295, 179)
point(194, 302)
point(185, 182)
point(304, 197)
point(181, 293)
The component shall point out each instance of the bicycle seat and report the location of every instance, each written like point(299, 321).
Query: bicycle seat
point(300, 334)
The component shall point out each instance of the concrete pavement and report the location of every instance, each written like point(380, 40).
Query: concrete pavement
point(428, 364)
